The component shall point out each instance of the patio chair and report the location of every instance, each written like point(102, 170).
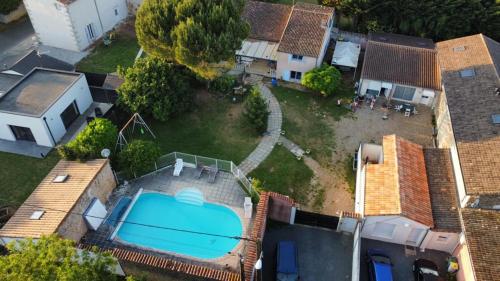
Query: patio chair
point(212, 170)
point(179, 164)
point(398, 107)
point(407, 112)
point(199, 170)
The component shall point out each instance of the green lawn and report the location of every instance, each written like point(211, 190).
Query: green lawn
point(305, 120)
point(215, 128)
point(283, 173)
point(20, 175)
point(105, 59)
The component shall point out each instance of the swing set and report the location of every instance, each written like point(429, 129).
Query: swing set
point(135, 120)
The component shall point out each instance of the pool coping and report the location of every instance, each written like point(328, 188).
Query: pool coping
point(219, 261)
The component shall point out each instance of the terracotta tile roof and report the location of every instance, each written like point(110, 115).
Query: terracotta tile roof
point(482, 233)
point(471, 103)
point(442, 189)
point(49, 196)
point(267, 20)
point(398, 186)
point(401, 64)
point(403, 40)
point(306, 29)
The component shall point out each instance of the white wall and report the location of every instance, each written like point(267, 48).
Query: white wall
point(403, 227)
point(80, 92)
point(285, 64)
point(107, 12)
point(441, 241)
point(326, 41)
point(52, 24)
point(366, 84)
point(82, 13)
point(38, 128)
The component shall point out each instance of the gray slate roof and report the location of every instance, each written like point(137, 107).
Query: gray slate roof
point(32, 60)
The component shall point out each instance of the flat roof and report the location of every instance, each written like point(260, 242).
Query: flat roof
point(37, 91)
point(54, 199)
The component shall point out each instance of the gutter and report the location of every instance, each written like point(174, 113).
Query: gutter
point(50, 132)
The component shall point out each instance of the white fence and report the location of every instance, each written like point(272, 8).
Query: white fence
point(194, 161)
point(356, 253)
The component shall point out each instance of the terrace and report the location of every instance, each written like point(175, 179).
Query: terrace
point(225, 191)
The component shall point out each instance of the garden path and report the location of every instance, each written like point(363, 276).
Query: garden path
point(270, 138)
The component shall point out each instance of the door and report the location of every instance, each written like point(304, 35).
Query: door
point(70, 114)
point(286, 75)
point(22, 133)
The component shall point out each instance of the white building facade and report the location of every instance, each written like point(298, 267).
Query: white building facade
point(74, 24)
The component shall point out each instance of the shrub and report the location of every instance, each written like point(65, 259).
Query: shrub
point(156, 87)
point(256, 111)
point(99, 134)
point(7, 6)
point(138, 157)
point(257, 188)
point(223, 84)
point(325, 80)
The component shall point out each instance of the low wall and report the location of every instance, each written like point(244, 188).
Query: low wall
point(14, 15)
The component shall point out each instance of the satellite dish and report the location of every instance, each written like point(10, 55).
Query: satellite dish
point(105, 153)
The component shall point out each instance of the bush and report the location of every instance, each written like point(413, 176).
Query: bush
point(223, 85)
point(256, 111)
point(138, 157)
point(325, 80)
point(7, 6)
point(156, 87)
point(99, 134)
point(257, 188)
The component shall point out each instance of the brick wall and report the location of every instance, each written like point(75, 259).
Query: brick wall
point(74, 226)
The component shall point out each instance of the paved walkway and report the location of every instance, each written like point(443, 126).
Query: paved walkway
point(293, 147)
point(267, 143)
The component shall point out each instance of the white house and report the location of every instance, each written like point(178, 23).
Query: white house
point(285, 41)
point(400, 68)
point(42, 105)
point(401, 200)
point(74, 24)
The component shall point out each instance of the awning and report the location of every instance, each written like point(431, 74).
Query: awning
point(346, 54)
point(258, 49)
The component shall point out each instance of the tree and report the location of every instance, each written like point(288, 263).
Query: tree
point(156, 87)
point(139, 157)
point(256, 111)
point(7, 6)
point(325, 79)
point(223, 84)
point(52, 258)
point(99, 134)
point(202, 35)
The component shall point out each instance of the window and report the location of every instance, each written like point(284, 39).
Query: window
point(116, 11)
point(459, 49)
point(295, 75)
point(297, 57)
point(495, 118)
point(467, 73)
point(404, 93)
point(89, 29)
point(384, 230)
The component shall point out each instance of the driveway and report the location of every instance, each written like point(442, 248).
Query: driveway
point(403, 262)
point(323, 254)
point(15, 41)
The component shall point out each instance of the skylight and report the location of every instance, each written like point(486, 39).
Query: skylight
point(467, 73)
point(37, 215)
point(496, 118)
point(60, 178)
point(459, 49)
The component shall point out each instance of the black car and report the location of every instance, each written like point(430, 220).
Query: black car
point(425, 270)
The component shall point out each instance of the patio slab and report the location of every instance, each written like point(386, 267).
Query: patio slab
point(25, 148)
point(403, 262)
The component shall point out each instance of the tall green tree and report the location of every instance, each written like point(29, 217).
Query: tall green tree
point(156, 87)
point(256, 110)
point(139, 157)
point(325, 80)
point(52, 258)
point(200, 34)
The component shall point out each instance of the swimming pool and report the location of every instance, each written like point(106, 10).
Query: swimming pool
point(167, 212)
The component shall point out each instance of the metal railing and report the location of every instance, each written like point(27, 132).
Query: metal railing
point(193, 161)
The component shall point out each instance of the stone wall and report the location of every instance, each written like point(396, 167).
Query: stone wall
point(74, 226)
point(14, 15)
point(445, 136)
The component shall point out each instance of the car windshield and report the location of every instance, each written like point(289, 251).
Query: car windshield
point(381, 259)
point(429, 271)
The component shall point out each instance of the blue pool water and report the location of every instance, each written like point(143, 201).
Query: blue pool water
point(166, 211)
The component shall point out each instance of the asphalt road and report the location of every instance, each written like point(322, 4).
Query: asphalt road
point(15, 41)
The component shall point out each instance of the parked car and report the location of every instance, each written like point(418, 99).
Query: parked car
point(425, 270)
point(379, 265)
point(287, 265)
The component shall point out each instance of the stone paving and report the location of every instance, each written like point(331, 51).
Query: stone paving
point(293, 147)
point(271, 137)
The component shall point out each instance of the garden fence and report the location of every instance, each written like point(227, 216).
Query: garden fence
point(194, 161)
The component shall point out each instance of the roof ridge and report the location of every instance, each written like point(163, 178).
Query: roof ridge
point(433, 50)
point(396, 175)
